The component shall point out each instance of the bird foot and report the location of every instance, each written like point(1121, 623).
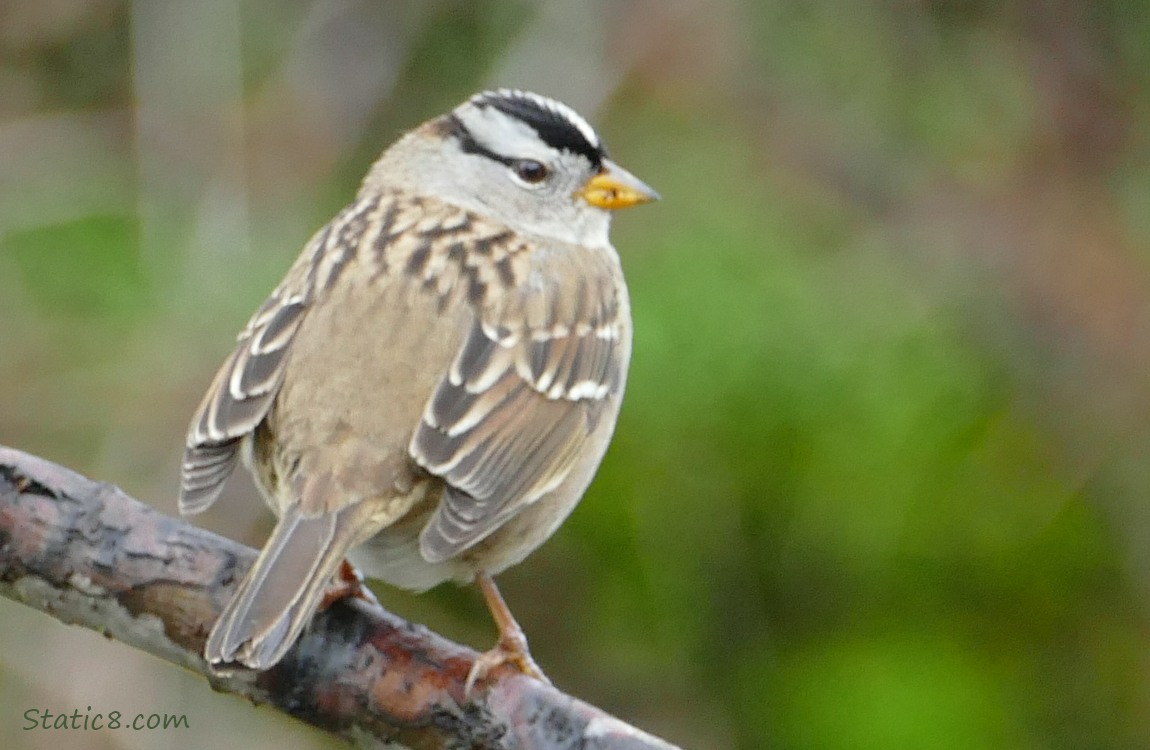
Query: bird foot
point(348, 582)
point(511, 649)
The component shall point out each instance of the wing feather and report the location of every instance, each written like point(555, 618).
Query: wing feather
point(237, 401)
point(245, 387)
point(507, 421)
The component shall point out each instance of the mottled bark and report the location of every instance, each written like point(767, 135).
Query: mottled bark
point(87, 554)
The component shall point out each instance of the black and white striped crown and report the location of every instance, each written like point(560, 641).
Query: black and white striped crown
point(553, 122)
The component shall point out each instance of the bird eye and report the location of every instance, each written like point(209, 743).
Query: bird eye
point(529, 170)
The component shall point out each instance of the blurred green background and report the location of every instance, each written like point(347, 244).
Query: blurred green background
point(882, 477)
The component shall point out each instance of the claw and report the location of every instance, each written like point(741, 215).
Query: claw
point(512, 646)
point(348, 582)
point(512, 650)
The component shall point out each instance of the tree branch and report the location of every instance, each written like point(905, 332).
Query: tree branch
point(87, 554)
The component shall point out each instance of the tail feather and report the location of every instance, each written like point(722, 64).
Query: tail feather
point(281, 592)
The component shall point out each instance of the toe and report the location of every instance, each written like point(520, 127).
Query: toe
point(507, 651)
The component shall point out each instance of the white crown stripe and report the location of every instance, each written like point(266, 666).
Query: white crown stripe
point(552, 105)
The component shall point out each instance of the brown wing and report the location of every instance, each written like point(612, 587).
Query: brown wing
point(243, 390)
point(237, 401)
point(507, 421)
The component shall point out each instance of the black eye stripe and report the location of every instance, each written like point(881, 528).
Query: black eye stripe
point(468, 143)
point(528, 170)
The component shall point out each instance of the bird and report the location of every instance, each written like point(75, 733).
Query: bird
point(430, 390)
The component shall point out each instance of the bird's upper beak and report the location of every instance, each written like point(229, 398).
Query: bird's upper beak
point(614, 188)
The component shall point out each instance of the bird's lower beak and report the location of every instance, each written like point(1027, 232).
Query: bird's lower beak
point(614, 188)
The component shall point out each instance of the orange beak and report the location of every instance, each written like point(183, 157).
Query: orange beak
point(614, 188)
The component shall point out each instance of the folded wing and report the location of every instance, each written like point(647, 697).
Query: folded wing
point(510, 417)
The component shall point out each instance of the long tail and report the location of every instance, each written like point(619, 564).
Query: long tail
point(283, 589)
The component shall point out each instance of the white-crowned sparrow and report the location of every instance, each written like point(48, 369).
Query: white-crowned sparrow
point(436, 379)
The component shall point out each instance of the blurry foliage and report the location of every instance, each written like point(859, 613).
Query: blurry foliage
point(85, 270)
point(74, 62)
point(877, 479)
